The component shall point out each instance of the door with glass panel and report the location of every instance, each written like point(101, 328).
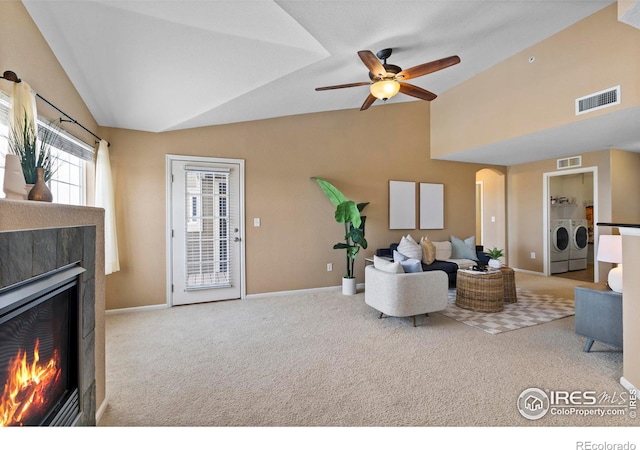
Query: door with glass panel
point(206, 242)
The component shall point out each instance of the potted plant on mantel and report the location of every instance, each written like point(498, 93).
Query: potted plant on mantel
point(347, 213)
point(24, 144)
point(494, 254)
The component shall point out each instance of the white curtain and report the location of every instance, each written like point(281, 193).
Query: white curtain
point(23, 101)
point(104, 198)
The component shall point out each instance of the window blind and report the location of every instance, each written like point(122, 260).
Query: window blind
point(63, 140)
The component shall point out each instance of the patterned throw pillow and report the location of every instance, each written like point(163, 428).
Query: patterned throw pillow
point(410, 248)
point(428, 250)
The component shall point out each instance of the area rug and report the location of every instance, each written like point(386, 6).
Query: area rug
point(530, 309)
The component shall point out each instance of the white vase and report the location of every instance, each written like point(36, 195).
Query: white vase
point(495, 263)
point(13, 184)
point(348, 286)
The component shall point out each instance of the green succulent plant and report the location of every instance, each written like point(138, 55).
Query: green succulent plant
point(495, 253)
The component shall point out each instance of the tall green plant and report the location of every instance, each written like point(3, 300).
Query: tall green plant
point(347, 213)
point(33, 152)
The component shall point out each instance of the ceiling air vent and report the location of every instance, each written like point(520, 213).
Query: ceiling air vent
point(570, 162)
point(599, 100)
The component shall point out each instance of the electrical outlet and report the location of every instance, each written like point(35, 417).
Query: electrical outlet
point(493, 218)
point(256, 222)
point(329, 267)
point(533, 255)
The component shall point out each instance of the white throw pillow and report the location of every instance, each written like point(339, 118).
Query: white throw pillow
point(443, 250)
point(409, 247)
point(387, 266)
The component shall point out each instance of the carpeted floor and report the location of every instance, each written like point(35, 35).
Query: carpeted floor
point(324, 359)
point(530, 309)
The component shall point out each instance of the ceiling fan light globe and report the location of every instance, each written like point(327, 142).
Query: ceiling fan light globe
point(384, 89)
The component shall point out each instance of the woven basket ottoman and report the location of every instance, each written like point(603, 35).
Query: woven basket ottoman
point(509, 281)
point(480, 291)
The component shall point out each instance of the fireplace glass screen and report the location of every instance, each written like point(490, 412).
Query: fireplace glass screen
point(39, 357)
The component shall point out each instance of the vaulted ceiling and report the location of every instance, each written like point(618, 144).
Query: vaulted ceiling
point(168, 65)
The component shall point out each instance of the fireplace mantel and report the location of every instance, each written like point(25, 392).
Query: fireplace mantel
point(30, 215)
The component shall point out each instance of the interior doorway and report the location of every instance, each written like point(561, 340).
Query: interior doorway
point(491, 210)
point(571, 209)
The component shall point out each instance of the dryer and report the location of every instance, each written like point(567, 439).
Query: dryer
point(579, 244)
point(560, 240)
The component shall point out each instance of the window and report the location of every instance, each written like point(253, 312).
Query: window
point(68, 183)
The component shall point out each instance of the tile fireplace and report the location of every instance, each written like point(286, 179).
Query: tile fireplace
point(47, 321)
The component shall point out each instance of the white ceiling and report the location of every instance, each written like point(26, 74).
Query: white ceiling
point(167, 65)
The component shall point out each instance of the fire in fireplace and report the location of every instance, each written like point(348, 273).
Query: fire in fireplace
point(39, 350)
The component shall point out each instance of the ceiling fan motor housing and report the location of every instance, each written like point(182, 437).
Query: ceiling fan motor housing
point(392, 71)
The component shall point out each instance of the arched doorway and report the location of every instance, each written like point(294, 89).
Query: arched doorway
point(491, 213)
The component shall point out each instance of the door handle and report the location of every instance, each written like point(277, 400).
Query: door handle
point(236, 239)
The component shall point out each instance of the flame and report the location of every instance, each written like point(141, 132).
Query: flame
point(25, 391)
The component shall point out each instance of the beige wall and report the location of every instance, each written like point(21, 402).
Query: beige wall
point(516, 98)
point(359, 152)
point(625, 186)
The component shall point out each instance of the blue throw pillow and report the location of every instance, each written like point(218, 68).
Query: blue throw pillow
point(411, 265)
point(463, 249)
point(399, 257)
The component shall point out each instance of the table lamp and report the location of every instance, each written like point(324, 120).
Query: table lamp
point(610, 250)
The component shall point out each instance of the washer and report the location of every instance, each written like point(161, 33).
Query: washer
point(560, 240)
point(579, 245)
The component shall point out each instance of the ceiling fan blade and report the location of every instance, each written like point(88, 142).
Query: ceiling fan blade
point(373, 63)
point(415, 91)
point(340, 86)
point(426, 68)
point(368, 102)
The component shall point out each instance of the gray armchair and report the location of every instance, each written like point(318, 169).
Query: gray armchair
point(405, 294)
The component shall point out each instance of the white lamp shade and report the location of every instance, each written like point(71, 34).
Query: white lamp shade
point(384, 89)
point(610, 249)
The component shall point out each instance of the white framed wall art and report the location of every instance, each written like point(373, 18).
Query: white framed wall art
point(431, 206)
point(402, 205)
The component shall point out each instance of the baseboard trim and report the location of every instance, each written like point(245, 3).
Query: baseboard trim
point(100, 411)
point(627, 385)
point(529, 272)
point(359, 286)
point(109, 312)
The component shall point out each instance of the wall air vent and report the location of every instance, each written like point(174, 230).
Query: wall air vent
point(599, 100)
point(569, 163)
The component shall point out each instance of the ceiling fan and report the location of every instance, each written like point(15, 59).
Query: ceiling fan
point(388, 79)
